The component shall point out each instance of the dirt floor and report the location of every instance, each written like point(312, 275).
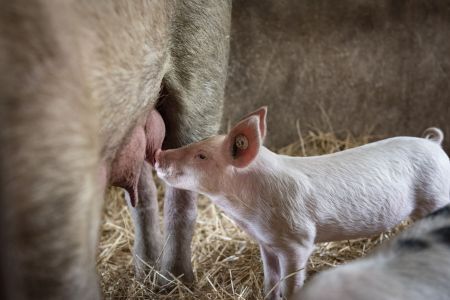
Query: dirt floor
point(226, 261)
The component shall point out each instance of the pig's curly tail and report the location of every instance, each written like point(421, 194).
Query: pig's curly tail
point(435, 134)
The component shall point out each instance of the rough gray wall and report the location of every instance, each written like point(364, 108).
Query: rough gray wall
point(371, 65)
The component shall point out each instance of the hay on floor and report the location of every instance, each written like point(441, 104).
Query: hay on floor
point(226, 261)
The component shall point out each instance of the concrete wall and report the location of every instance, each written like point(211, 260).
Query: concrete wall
point(377, 65)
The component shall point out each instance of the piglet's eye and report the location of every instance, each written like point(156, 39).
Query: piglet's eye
point(201, 156)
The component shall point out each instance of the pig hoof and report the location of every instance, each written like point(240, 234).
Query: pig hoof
point(145, 263)
point(142, 271)
point(168, 280)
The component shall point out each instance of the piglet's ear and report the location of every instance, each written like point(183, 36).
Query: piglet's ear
point(243, 142)
point(261, 114)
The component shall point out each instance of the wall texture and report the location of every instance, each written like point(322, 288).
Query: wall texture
point(381, 66)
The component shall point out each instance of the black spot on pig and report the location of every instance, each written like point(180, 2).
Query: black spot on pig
point(442, 234)
point(412, 244)
point(444, 211)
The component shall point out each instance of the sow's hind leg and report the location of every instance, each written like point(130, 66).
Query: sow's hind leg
point(135, 175)
point(192, 109)
point(147, 244)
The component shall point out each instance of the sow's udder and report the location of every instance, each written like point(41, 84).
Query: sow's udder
point(145, 139)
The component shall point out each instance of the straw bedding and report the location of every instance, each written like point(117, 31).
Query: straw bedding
point(226, 261)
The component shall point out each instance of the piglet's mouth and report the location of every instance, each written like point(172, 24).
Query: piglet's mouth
point(152, 160)
point(154, 157)
point(163, 170)
point(167, 174)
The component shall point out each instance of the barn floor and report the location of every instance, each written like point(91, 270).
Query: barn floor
point(226, 262)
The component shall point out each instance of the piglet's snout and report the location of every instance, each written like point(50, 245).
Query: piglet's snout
point(165, 165)
point(156, 158)
point(157, 163)
point(162, 165)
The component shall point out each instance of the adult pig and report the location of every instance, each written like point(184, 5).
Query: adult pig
point(87, 89)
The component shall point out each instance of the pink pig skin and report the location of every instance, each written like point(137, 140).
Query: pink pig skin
point(145, 139)
point(289, 203)
point(131, 170)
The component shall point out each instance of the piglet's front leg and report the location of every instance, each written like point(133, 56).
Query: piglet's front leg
point(148, 241)
point(293, 260)
point(271, 268)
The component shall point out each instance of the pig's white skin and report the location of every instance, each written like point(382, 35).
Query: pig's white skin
point(391, 273)
point(289, 203)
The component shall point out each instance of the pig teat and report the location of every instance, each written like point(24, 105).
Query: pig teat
point(145, 138)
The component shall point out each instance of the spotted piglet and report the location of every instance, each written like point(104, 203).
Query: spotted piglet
point(288, 203)
point(413, 266)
